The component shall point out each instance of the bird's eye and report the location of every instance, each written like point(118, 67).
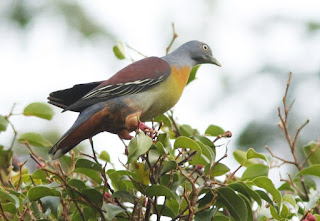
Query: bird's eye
point(205, 47)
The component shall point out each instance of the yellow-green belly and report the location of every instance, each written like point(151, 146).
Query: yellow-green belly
point(164, 96)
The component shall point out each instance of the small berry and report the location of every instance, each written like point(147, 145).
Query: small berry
point(40, 165)
point(199, 167)
point(311, 217)
point(107, 195)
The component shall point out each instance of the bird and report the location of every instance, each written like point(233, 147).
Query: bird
point(139, 92)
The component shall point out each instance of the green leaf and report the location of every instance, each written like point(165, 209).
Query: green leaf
point(314, 157)
point(219, 169)
point(164, 139)
point(193, 73)
point(92, 174)
point(39, 174)
point(186, 142)
point(234, 203)
point(264, 196)
point(10, 197)
point(118, 178)
point(200, 157)
point(77, 184)
point(38, 192)
point(290, 199)
point(104, 155)
point(138, 146)
point(246, 190)
point(205, 215)
point(159, 190)
point(9, 207)
point(168, 166)
point(111, 210)
point(93, 195)
point(34, 139)
point(164, 119)
point(88, 164)
point(248, 204)
point(173, 204)
point(220, 217)
point(266, 183)
point(51, 204)
point(313, 170)
point(89, 168)
point(142, 172)
point(37, 109)
point(124, 195)
point(284, 211)
point(274, 213)
point(255, 170)
point(153, 156)
point(207, 152)
point(167, 211)
point(187, 130)
point(251, 153)
point(119, 51)
point(204, 140)
point(214, 131)
point(241, 157)
point(3, 123)
point(286, 187)
point(317, 217)
point(161, 148)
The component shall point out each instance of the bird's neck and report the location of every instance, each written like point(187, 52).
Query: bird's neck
point(179, 60)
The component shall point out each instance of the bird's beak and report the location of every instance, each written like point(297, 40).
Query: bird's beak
point(213, 60)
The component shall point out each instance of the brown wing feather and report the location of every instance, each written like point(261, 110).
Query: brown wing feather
point(135, 78)
point(148, 68)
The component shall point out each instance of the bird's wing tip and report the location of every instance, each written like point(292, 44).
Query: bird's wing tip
point(55, 154)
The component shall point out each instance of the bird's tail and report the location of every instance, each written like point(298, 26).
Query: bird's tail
point(83, 128)
point(61, 148)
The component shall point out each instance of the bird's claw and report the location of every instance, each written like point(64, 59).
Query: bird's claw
point(147, 129)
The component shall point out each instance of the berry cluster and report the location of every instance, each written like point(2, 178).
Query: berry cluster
point(310, 217)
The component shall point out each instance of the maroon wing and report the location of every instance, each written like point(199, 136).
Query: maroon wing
point(136, 77)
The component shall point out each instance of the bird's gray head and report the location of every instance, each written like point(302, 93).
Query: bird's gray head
point(198, 52)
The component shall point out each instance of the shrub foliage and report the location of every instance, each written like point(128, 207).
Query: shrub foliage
point(172, 171)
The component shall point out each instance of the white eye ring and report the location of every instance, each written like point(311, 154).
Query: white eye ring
point(205, 47)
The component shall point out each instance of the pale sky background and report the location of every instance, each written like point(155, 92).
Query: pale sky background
point(246, 37)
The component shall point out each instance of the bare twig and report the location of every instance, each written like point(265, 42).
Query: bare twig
point(138, 52)
point(191, 154)
point(297, 134)
point(216, 162)
point(20, 174)
point(191, 203)
point(2, 213)
point(232, 174)
point(93, 151)
point(283, 124)
point(279, 158)
point(80, 211)
point(227, 134)
point(176, 128)
point(175, 35)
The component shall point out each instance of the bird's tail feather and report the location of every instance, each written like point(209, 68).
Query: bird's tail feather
point(83, 128)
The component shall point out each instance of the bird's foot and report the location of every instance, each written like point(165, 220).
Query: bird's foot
point(146, 129)
point(125, 134)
